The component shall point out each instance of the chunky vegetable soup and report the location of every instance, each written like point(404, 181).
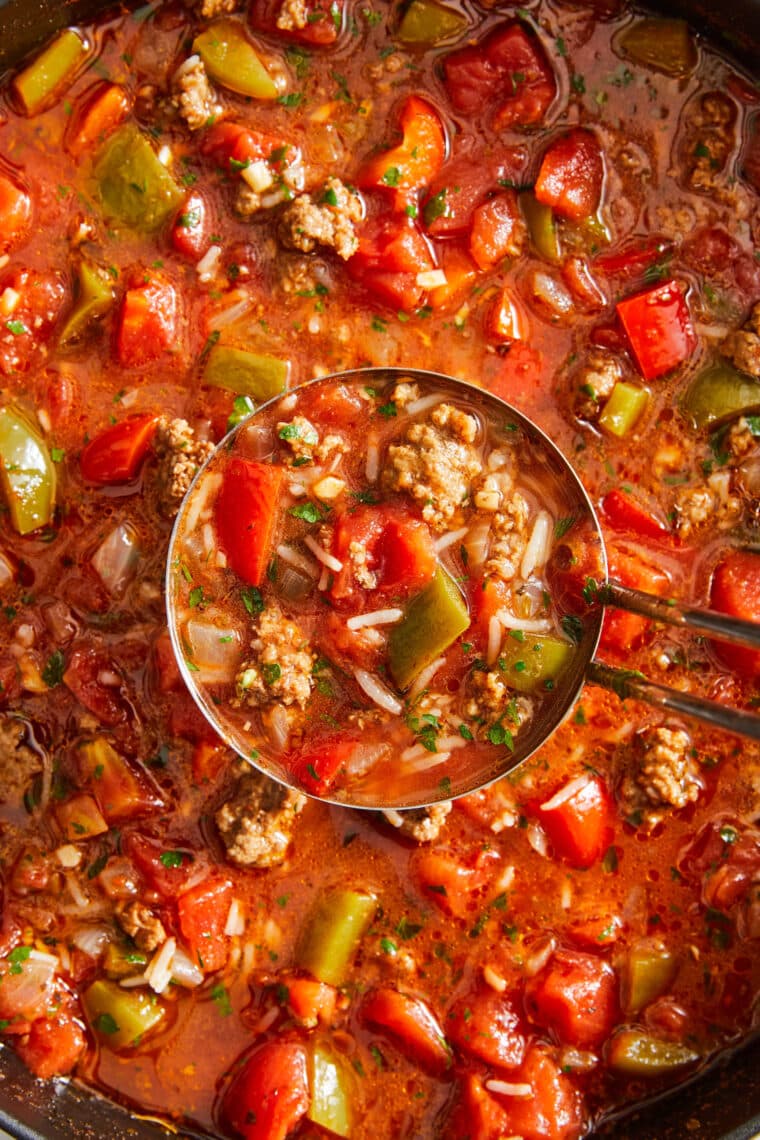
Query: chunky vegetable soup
point(203, 206)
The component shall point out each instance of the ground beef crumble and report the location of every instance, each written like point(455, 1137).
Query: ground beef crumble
point(423, 825)
point(662, 770)
point(436, 464)
point(19, 762)
point(595, 382)
point(142, 925)
point(256, 824)
point(180, 455)
point(711, 504)
point(211, 8)
point(326, 219)
point(193, 95)
point(282, 668)
point(742, 347)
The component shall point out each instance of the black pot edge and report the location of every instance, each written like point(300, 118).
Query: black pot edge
point(714, 1100)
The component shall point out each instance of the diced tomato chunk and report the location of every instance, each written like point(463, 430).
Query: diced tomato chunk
point(497, 230)
point(317, 766)
point(116, 454)
point(202, 913)
point(147, 323)
point(625, 514)
point(415, 161)
point(321, 24)
point(659, 329)
point(476, 1115)
point(735, 590)
point(571, 175)
point(170, 871)
point(191, 232)
point(596, 933)
point(464, 183)
point(411, 1024)
point(81, 678)
point(41, 296)
point(400, 551)
point(15, 212)
point(461, 275)
point(509, 59)
point(452, 881)
point(634, 257)
point(553, 1110)
point(392, 253)
point(576, 996)
point(233, 146)
point(246, 515)
point(484, 1024)
point(105, 106)
point(121, 786)
point(622, 631)
point(209, 759)
point(311, 1002)
point(54, 1045)
point(577, 820)
point(270, 1094)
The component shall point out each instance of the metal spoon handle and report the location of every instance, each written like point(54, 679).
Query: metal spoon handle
point(628, 683)
point(694, 618)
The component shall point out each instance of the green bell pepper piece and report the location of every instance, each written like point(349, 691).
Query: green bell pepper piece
point(134, 187)
point(94, 298)
point(120, 1017)
point(647, 973)
point(244, 372)
point(531, 662)
point(664, 44)
point(719, 393)
point(27, 473)
point(330, 1084)
point(231, 59)
point(121, 960)
point(624, 408)
point(52, 70)
point(332, 933)
point(426, 22)
point(637, 1054)
point(433, 620)
point(542, 226)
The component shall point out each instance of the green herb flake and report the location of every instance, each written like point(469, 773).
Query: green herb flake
point(252, 599)
point(172, 858)
point(221, 999)
point(54, 669)
point(308, 512)
point(105, 1023)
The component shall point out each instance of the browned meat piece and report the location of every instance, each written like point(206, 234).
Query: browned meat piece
point(715, 131)
point(742, 347)
point(143, 926)
point(595, 381)
point(257, 824)
point(193, 94)
point(326, 219)
point(180, 455)
point(425, 824)
point(661, 772)
point(282, 667)
point(19, 763)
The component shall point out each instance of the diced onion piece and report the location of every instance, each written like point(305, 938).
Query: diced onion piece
point(214, 650)
point(422, 403)
point(78, 895)
point(566, 792)
point(69, 856)
point(29, 992)
point(476, 543)
point(91, 940)
point(293, 585)
point(184, 971)
point(9, 300)
point(375, 617)
point(537, 838)
point(450, 538)
point(431, 279)
point(258, 176)
point(288, 554)
point(540, 954)
point(329, 487)
point(539, 545)
point(322, 555)
point(231, 313)
point(235, 924)
point(205, 490)
point(115, 561)
point(528, 625)
point(159, 969)
point(508, 1088)
point(377, 692)
point(552, 292)
point(494, 979)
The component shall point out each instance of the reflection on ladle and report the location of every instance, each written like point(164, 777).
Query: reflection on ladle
point(367, 598)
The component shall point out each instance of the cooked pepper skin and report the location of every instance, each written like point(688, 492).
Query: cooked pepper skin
point(433, 621)
point(333, 932)
point(27, 473)
point(133, 186)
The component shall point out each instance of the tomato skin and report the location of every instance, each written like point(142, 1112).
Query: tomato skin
point(484, 1025)
point(270, 1094)
point(203, 912)
point(411, 1024)
point(571, 175)
point(497, 229)
point(191, 231)
point(147, 323)
point(392, 252)
point(116, 454)
point(415, 160)
point(54, 1045)
point(735, 590)
point(579, 825)
point(399, 546)
point(659, 329)
point(246, 514)
point(576, 996)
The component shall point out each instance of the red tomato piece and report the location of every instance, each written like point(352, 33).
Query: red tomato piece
point(270, 1094)
point(505, 320)
point(476, 1114)
point(634, 257)
point(15, 212)
point(24, 333)
point(625, 514)
point(659, 329)
point(464, 183)
point(451, 882)
point(461, 275)
point(170, 872)
point(116, 454)
point(596, 933)
point(576, 996)
point(571, 175)
point(553, 1111)
point(208, 761)
point(735, 590)
point(191, 232)
point(54, 1045)
point(105, 106)
point(322, 21)
point(392, 252)
point(400, 550)
point(233, 146)
point(497, 230)
point(484, 1024)
point(246, 515)
point(202, 913)
point(147, 323)
point(577, 820)
point(333, 406)
point(415, 161)
point(316, 767)
point(311, 1002)
point(622, 632)
point(411, 1024)
point(83, 668)
point(508, 59)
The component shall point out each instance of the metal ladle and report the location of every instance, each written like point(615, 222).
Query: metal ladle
point(583, 666)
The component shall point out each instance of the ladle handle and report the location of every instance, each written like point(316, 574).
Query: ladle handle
point(627, 683)
point(689, 617)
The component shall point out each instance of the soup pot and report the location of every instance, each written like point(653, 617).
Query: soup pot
point(723, 1104)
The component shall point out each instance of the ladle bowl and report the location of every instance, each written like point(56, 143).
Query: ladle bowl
point(208, 602)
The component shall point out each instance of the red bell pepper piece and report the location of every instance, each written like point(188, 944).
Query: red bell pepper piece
point(106, 105)
point(510, 60)
point(576, 996)
point(411, 1025)
point(202, 913)
point(191, 231)
point(415, 161)
point(147, 323)
point(315, 767)
point(246, 514)
point(625, 514)
point(461, 276)
point(571, 175)
point(735, 590)
point(497, 230)
point(484, 1024)
point(116, 454)
point(15, 212)
point(270, 1094)
point(54, 1045)
point(323, 21)
point(392, 252)
point(659, 328)
point(577, 820)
